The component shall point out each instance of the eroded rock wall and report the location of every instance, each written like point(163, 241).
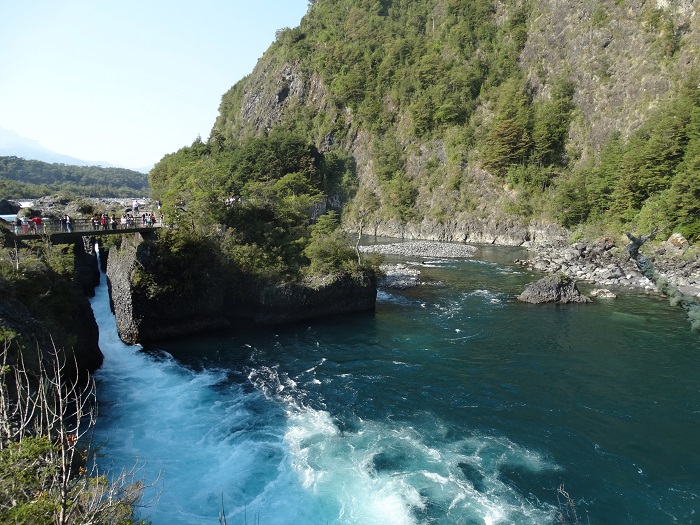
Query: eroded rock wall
point(499, 229)
point(218, 299)
point(67, 329)
point(144, 316)
point(295, 302)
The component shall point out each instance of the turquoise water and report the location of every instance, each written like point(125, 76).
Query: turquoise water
point(452, 403)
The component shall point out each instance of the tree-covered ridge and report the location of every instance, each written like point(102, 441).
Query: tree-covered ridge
point(464, 108)
point(262, 201)
point(652, 179)
point(21, 178)
point(429, 60)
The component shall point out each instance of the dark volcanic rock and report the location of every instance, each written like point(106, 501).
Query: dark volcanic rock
point(16, 318)
point(189, 309)
point(295, 302)
point(218, 300)
point(87, 351)
point(87, 272)
point(37, 340)
point(553, 289)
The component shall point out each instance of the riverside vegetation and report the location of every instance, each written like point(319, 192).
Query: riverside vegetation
point(266, 204)
point(265, 237)
point(454, 120)
point(47, 460)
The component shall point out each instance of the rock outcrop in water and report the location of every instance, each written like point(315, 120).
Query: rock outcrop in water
point(219, 299)
point(553, 289)
point(298, 301)
point(602, 262)
point(187, 309)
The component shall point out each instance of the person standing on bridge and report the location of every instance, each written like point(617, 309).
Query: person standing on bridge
point(113, 222)
point(69, 224)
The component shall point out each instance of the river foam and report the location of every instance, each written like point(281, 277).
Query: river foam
point(248, 440)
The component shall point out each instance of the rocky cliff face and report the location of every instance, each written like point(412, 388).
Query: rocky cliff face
point(120, 266)
point(296, 302)
point(218, 301)
point(142, 317)
point(623, 58)
point(500, 229)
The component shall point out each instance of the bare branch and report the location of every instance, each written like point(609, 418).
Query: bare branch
point(53, 405)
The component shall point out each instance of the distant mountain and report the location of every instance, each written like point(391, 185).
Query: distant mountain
point(14, 145)
point(23, 178)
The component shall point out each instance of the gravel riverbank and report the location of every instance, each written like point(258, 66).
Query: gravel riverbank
point(402, 276)
point(422, 249)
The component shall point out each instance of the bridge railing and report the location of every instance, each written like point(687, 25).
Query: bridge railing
point(80, 225)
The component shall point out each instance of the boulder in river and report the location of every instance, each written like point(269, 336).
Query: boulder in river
point(553, 289)
point(603, 293)
point(399, 276)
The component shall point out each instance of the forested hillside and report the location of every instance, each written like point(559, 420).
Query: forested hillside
point(460, 116)
point(20, 178)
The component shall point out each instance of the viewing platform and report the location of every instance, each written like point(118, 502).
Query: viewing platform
point(59, 233)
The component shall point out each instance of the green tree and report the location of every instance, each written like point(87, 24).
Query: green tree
point(328, 251)
point(508, 138)
point(551, 125)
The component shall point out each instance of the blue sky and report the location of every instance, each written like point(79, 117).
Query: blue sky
point(128, 81)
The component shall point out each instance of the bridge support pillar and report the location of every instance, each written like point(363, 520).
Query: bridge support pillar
point(148, 236)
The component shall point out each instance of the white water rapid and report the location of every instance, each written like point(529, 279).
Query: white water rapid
point(244, 437)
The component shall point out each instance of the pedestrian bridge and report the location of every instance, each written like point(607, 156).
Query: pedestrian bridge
point(58, 233)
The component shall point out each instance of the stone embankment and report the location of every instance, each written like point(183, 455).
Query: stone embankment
point(603, 262)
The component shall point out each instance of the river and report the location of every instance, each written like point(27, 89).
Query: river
point(452, 403)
